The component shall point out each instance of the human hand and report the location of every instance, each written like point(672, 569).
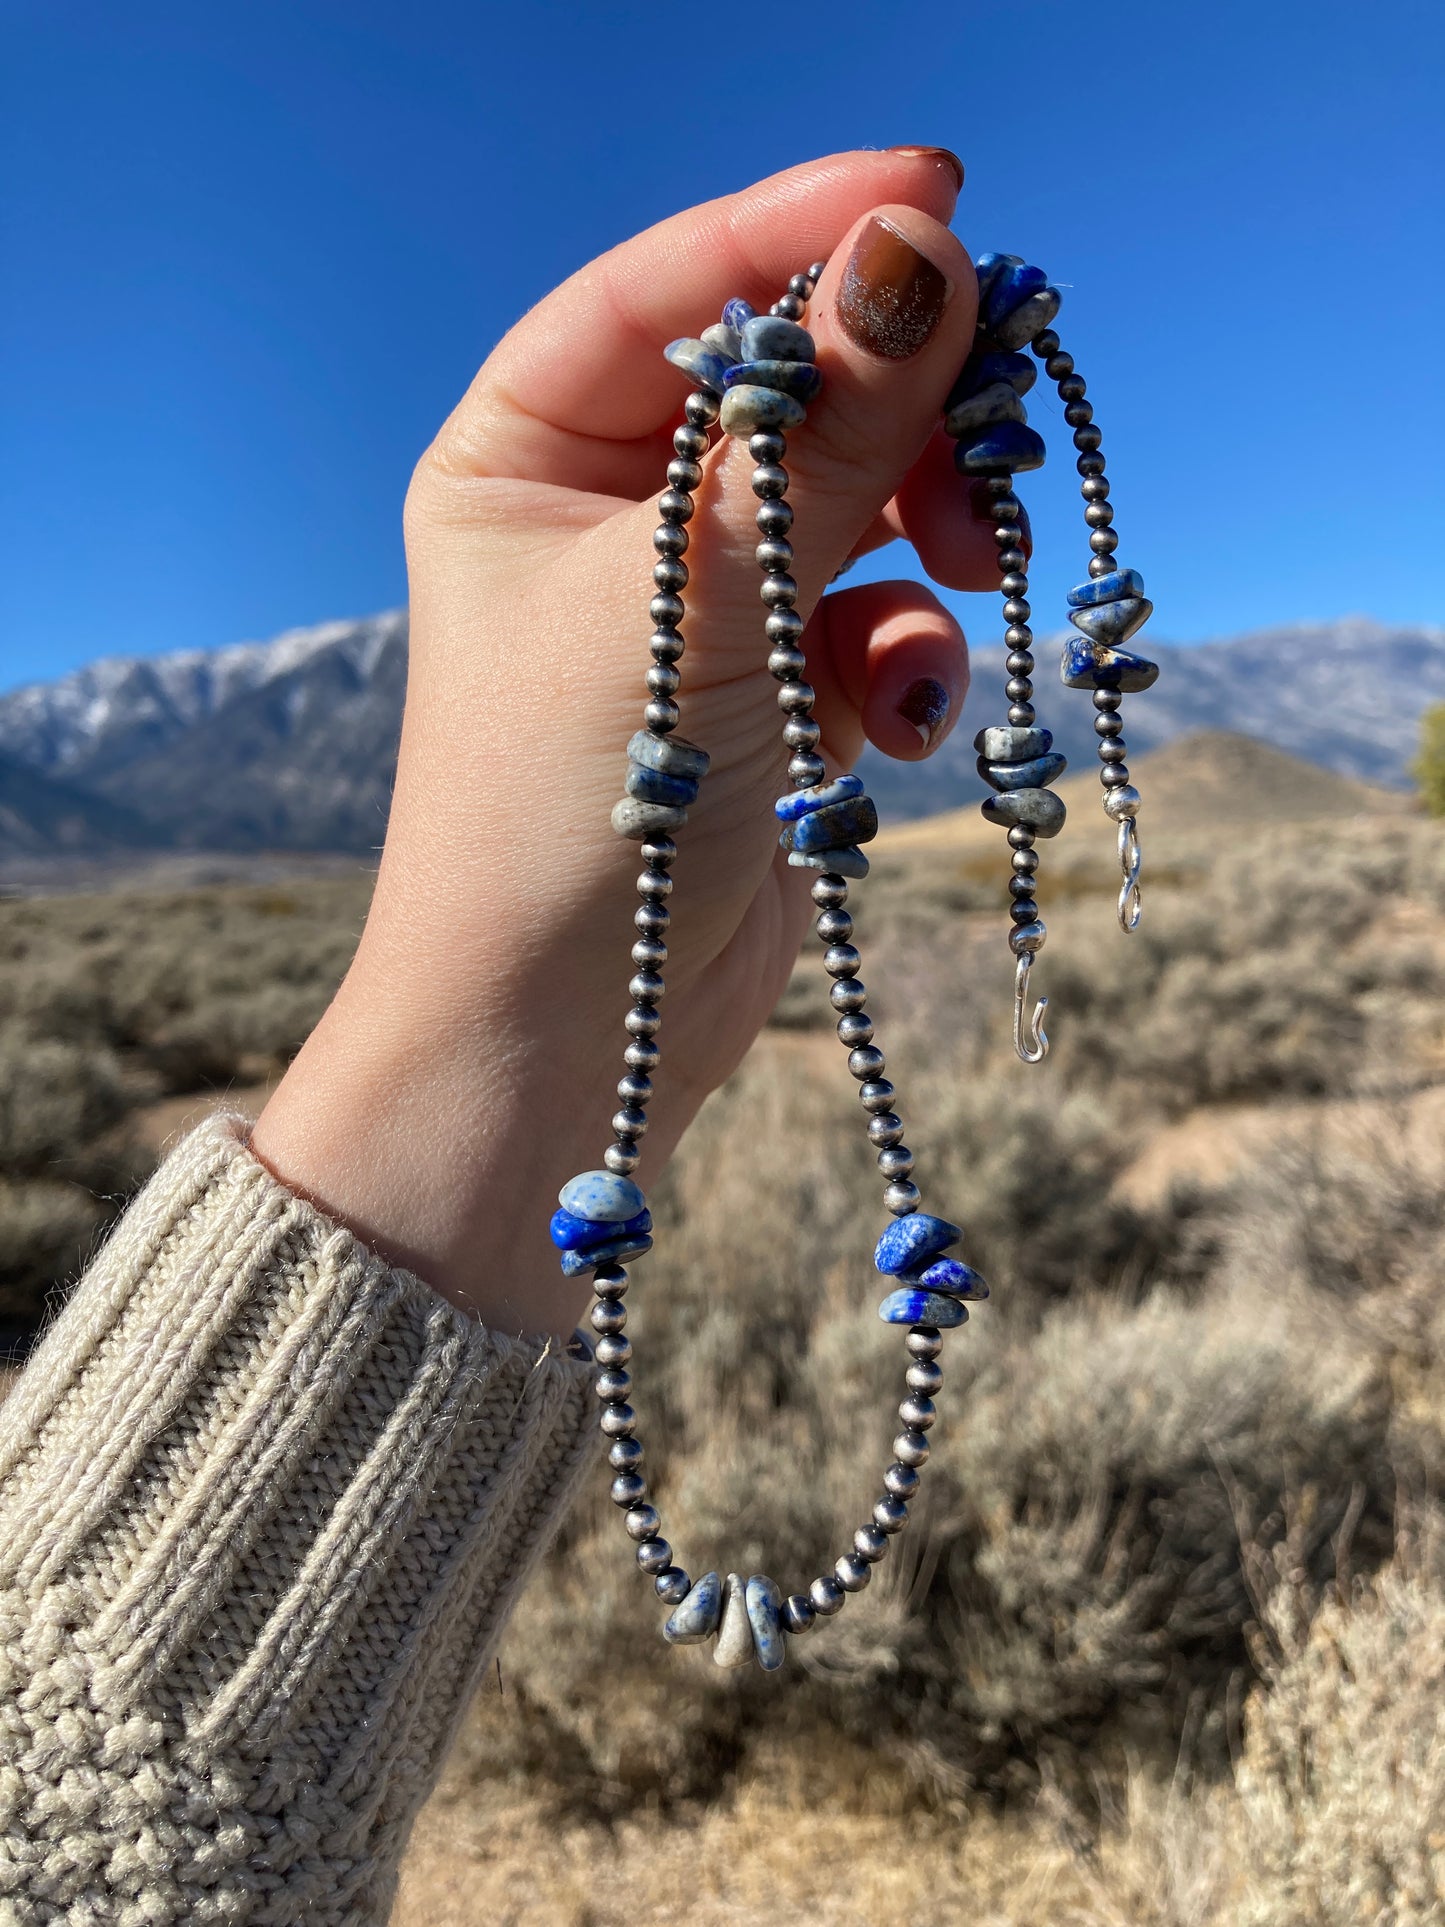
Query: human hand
point(467, 1066)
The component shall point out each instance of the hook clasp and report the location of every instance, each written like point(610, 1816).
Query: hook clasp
point(1029, 1039)
point(1131, 858)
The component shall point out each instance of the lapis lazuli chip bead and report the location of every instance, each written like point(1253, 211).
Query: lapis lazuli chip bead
point(1042, 811)
point(1013, 742)
point(737, 313)
point(1092, 665)
point(656, 786)
point(950, 1276)
point(986, 366)
point(907, 1240)
point(747, 409)
point(1027, 320)
point(803, 380)
point(1106, 588)
point(602, 1194)
point(724, 341)
point(697, 1617)
point(1008, 290)
point(571, 1233)
point(1111, 622)
point(611, 1251)
point(835, 826)
point(764, 1607)
point(1037, 773)
point(672, 754)
point(988, 267)
point(1003, 448)
point(910, 1306)
point(698, 362)
point(801, 802)
point(633, 818)
point(996, 403)
point(850, 862)
point(768, 337)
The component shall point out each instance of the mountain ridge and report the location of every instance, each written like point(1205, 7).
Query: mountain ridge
point(290, 744)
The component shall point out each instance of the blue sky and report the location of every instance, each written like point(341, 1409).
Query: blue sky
point(252, 254)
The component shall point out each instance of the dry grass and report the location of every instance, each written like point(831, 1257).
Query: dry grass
point(1151, 1651)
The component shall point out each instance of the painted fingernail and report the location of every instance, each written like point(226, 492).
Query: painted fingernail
point(892, 297)
point(944, 154)
point(925, 704)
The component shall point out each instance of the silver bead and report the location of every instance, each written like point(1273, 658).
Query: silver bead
point(630, 1121)
point(852, 1573)
point(666, 610)
point(624, 1455)
point(877, 1095)
point(654, 884)
point(774, 555)
point(786, 662)
point(672, 1585)
point(801, 732)
point(925, 1378)
point(649, 953)
point(795, 698)
point(610, 1386)
point(612, 1348)
point(854, 1029)
point(770, 479)
point(826, 1596)
point(643, 1021)
point(783, 626)
point(829, 892)
point(661, 714)
point(628, 1488)
point(901, 1197)
point(609, 1281)
point(1116, 778)
point(674, 506)
point(702, 409)
point(895, 1161)
point(773, 518)
point(635, 1088)
point(623, 1157)
point(618, 1421)
point(669, 539)
point(767, 447)
point(833, 926)
point(647, 987)
point(901, 1481)
point(689, 442)
point(670, 574)
point(885, 1129)
point(663, 680)
point(651, 918)
point(848, 993)
point(778, 591)
point(1123, 802)
point(806, 768)
point(924, 1341)
point(870, 1543)
point(798, 1613)
point(911, 1448)
point(815, 271)
point(654, 1555)
point(1027, 939)
point(866, 1062)
point(608, 1316)
point(1099, 515)
point(791, 307)
point(1103, 541)
point(841, 960)
point(642, 1522)
point(916, 1412)
point(890, 1515)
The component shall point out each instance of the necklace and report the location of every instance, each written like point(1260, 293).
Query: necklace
point(754, 374)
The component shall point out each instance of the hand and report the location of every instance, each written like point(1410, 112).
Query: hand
point(467, 1066)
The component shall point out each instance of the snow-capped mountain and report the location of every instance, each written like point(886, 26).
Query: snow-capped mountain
point(291, 744)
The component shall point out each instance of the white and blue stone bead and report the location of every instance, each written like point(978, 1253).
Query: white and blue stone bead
point(1000, 448)
point(673, 755)
point(850, 862)
point(833, 826)
point(700, 363)
point(1114, 587)
point(803, 380)
point(1115, 621)
point(1042, 811)
point(801, 802)
point(912, 1306)
point(737, 313)
point(949, 1275)
point(611, 1251)
point(1037, 773)
point(1093, 665)
point(909, 1239)
point(763, 1602)
point(604, 1195)
point(696, 1618)
point(571, 1233)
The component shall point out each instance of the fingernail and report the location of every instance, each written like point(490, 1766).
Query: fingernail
point(944, 154)
point(892, 297)
point(925, 704)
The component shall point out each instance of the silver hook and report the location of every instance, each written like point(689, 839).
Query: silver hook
point(1131, 905)
point(1037, 1048)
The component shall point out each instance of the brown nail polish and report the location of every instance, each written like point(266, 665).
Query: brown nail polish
point(944, 154)
point(892, 297)
point(925, 704)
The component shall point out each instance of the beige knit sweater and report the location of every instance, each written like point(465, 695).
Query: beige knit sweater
point(265, 1503)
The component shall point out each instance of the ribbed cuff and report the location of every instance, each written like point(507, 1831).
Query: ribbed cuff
point(265, 1502)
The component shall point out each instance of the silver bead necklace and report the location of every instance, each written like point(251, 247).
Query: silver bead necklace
point(754, 375)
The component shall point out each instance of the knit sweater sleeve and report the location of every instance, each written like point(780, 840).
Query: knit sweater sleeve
point(265, 1503)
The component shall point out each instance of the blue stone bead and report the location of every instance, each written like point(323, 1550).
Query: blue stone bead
point(672, 754)
point(910, 1306)
point(1036, 774)
point(1013, 742)
point(986, 366)
point(698, 363)
point(801, 802)
point(655, 786)
point(844, 863)
point(1003, 448)
point(908, 1239)
point(1110, 622)
point(747, 409)
point(1027, 320)
point(996, 403)
point(1042, 810)
point(697, 1617)
point(723, 341)
point(987, 268)
point(602, 1194)
point(633, 818)
point(764, 1604)
point(574, 1234)
point(1010, 288)
point(801, 379)
point(737, 313)
point(1092, 665)
point(855, 820)
point(1106, 588)
point(950, 1276)
point(612, 1251)
point(768, 337)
